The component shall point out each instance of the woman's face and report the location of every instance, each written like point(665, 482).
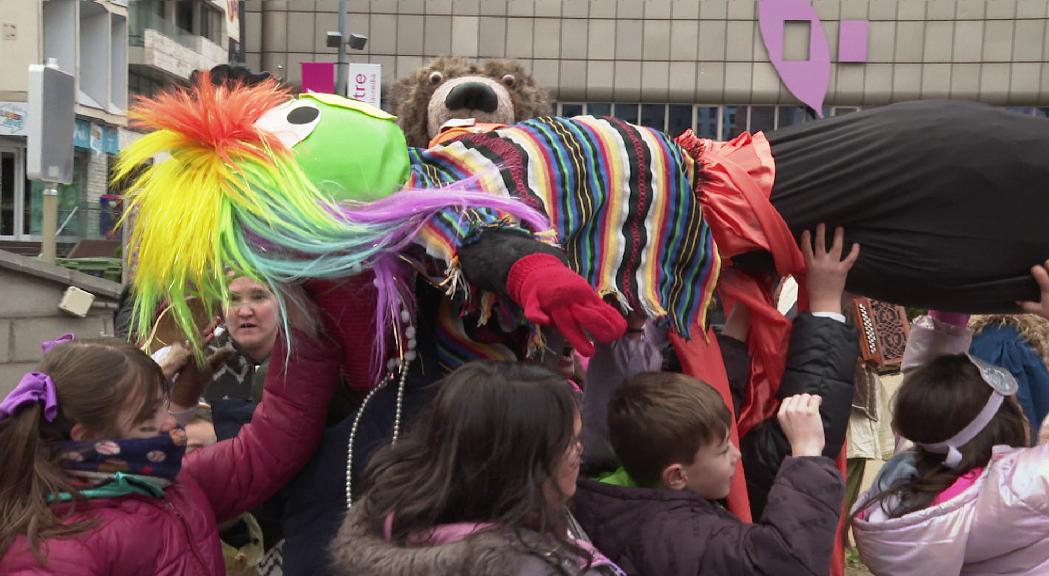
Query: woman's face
point(568, 468)
point(252, 317)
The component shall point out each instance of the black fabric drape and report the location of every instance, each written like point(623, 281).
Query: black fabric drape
point(948, 199)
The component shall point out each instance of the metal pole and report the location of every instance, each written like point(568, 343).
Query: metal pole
point(49, 238)
point(340, 72)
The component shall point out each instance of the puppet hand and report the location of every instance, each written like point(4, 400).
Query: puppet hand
point(825, 270)
point(1041, 276)
point(551, 294)
point(193, 380)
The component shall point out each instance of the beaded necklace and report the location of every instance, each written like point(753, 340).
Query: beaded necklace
point(397, 369)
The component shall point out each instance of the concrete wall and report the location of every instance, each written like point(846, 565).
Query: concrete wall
point(29, 312)
point(19, 44)
point(689, 51)
point(60, 33)
point(159, 51)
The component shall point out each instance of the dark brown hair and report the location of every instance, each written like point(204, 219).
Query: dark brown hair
point(486, 449)
point(657, 419)
point(934, 403)
point(94, 383)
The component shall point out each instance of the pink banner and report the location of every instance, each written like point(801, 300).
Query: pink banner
point(318, 77)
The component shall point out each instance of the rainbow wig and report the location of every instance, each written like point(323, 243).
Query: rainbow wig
point(223, 195)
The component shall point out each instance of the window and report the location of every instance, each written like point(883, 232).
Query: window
point(791, 115)
point(184, 15)
point(70, 218)
point(762, 119)
point(654, 116)
point(707, 121)
point(599, 109)
point(7, 193)
point(570, 110)
point(210, 23)
point(679, 118)
point(733, 121)
point(626, 112)
point(843, 110)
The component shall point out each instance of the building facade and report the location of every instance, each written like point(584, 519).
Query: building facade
point(88, 40)
point(675, 64)
point(172, 38)
point(115, 49)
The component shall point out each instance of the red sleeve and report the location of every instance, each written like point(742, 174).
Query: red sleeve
point(242, 472)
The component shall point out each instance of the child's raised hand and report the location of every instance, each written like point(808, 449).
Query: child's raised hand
point(1041, 276)
point(799, 416)
point(825, 270)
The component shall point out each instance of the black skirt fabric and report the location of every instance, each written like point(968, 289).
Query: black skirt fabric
point(948, 199)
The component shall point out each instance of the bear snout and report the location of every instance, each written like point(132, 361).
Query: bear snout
point(472, 96)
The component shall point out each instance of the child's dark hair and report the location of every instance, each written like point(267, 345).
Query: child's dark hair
point(934, 403)
point(657, 419)
point(486, 449)
point(93, 381)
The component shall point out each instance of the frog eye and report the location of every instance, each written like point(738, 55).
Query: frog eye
point(291, 122)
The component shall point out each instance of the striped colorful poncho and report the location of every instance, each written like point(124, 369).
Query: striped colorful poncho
point(619, 197)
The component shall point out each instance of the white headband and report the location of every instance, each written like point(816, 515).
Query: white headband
point(931, 339)
point(951, 445)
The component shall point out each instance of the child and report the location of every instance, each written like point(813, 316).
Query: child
point(670, 433)
point(478, 486)
point(93, 479)
point(969, 498)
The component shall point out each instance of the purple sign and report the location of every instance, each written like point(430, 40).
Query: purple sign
point(808, 80)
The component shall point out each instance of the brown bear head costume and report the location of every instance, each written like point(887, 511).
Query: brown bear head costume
point(495, 91)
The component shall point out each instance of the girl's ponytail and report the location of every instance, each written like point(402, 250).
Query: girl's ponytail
point(90, 383)
point(27, 478)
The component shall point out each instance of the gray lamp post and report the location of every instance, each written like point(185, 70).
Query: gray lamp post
point(335, 40)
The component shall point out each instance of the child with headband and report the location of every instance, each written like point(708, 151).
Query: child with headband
point(970, 496)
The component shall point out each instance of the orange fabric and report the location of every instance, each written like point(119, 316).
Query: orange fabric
point(455, 132)
point(701, 359)
point(734, 188)
point(768, 339)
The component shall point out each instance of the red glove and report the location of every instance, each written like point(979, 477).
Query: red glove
point(347, 308)
point(551, 294)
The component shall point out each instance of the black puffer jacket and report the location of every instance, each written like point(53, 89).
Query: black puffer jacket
point(821, 359)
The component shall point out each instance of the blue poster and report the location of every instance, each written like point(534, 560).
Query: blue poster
point(110, 142)
point(82, 134)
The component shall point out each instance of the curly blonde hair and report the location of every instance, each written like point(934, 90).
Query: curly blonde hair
point(1032, 328)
